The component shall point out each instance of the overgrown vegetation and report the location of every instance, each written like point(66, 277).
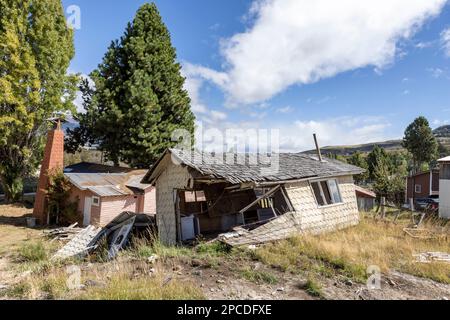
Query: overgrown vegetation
point(62, 209)
point(313, 288)
point(157, 287)
point(33, 252)
point(258, 276)
point(350, 252)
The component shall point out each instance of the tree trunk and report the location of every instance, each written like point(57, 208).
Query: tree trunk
point(12, 184)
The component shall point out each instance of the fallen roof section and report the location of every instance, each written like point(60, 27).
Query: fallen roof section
point(279, 228)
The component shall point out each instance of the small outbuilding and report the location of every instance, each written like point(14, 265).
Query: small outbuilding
point(258, 197)
point(103, 192)
point(366, 199)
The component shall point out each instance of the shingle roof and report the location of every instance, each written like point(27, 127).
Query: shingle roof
point(292, 166)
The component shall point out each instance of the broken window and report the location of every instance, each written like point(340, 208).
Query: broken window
point(326, 192)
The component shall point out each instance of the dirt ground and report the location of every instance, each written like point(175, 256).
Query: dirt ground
point(221, 280)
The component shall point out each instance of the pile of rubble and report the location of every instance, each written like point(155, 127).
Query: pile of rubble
point(115, 235)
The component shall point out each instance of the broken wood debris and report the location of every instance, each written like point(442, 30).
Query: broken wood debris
point(428, 257)
point(420, 233)
point(80, 245)
point(63, 234)
point(116, 233)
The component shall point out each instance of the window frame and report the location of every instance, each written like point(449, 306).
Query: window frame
point(322, 194)
point(98, 201)
point(415, 188)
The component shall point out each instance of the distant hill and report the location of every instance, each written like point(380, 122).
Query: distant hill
point(442, 134)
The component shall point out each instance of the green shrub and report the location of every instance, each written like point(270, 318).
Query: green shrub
point(33, 252)
point(258, 276)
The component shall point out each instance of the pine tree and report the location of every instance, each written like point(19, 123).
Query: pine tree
point(36, 47)
point(420, 142)
point(358, 159)
point(375, 158)
point(139, 98)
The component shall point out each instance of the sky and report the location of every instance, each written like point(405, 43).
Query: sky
point(351, 71)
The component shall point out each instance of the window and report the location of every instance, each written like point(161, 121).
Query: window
point(194, 196)
point(326, 192)
point(418, 188)
point(445, 171)
point(96, 201)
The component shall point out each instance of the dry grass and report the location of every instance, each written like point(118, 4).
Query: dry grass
point(158, 287)
point(353, 250)
point(12, 230)
point(117, 281)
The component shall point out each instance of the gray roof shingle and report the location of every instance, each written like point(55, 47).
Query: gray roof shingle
point(254, 168)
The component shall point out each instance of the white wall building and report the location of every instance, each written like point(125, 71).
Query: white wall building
point(444, 188)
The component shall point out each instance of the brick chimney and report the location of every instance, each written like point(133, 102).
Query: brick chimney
point(53, 159)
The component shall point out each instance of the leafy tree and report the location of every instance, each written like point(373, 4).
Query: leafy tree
point(36, 47)
point(138, 100)
point(420, 142)
point(61, 207)
point(358, 159)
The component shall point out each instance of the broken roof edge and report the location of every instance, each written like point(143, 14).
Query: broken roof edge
point(150, 177)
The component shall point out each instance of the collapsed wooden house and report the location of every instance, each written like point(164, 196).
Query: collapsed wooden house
point(202, 193)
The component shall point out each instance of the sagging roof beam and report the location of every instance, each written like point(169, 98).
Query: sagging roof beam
point(264, 196)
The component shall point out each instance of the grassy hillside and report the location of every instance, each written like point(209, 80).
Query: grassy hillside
point(442, 134)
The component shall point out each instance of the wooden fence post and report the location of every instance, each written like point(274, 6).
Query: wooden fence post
point(383, 207)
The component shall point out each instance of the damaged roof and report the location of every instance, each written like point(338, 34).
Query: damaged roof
point(256, 168)
point(109, 184)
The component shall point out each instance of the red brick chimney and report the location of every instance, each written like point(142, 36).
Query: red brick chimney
point(53, 159)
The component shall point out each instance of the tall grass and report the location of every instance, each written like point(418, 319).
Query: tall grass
point(33, 252)
point(352, 251)
point(121, 287)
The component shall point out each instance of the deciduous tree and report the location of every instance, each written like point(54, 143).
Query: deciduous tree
point(36, 47)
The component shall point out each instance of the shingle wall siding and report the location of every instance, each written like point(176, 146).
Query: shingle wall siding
point(309, 217)
point(172, 178)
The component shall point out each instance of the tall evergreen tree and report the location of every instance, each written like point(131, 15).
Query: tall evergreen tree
point(139, 98)
point(36, 47)
point(358, 159)
point(420, 142)
point(377, 158)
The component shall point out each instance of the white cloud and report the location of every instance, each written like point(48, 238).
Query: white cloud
point(193, 84)
point(218, 115)
point(302, 41)
point(436, 72)
point(445, 39)
point(424, 45)
point(297, 135)
point(287, 109)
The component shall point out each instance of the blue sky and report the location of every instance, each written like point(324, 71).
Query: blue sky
point(352, 74)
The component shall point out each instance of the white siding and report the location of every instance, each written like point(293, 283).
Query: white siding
point(444, 198)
